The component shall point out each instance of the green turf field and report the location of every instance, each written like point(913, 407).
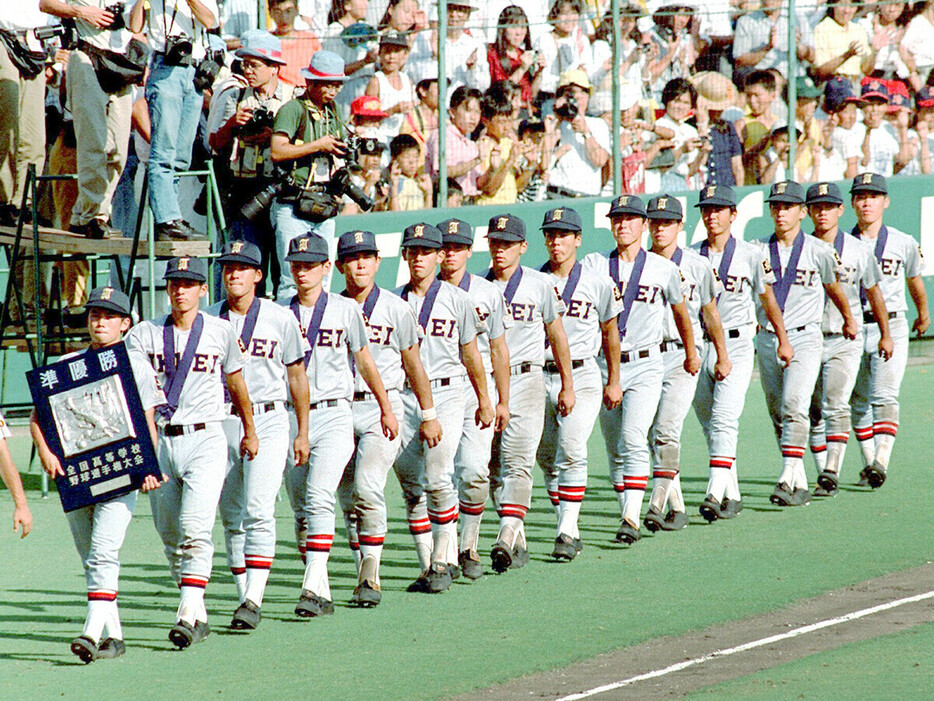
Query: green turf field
point(544, 616)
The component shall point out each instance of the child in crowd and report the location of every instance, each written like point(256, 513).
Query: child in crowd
point(422, 119)
point(773, 160)
point(715, 93)
point(409, 190)
point(499, 183)
point(754, 129)
point(393, 87)
point(883, 150)
point(535, 159)
point(463, 156)
point(690, 150)
point(840, 148)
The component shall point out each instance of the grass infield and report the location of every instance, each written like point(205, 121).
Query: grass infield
point(500, 627)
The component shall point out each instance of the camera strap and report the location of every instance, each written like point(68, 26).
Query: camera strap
point(171, 23)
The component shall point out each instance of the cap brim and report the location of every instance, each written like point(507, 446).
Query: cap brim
point(185, 275)
point(460, 240)
point(874, 96)
point(625, 210)
point(784, 199)
point(561, 226)
point(235, 258)
point(670, 216)
point(869, 188)
point(380, 115)
point(308, 75)
point(421, 243)
point(505, 236)
point(824, 199)
point(306, 257)
point(109, 306)
point(925, 104)
point(356, 251)
point(715, 202)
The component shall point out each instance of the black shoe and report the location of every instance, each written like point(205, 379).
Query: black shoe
point(171, 231)
point(627, 533)
point(782, 495)
point(366, 596)
point(454, 571)
point(800, 497)
point(111, 648)
point(9, 215)
point(828, 483)
point(730, 508)
point(311, 605)
point(183, 634)
point(246, 617)
point(420, 585)
point(501, 557)
point(674, 521)
point(96, 229)
point(653, 520)
point(566, 548)
point(438, 578)
point(470, 565)
point(711, 509)
point(863, 478)
point(875, 475)
point(84, 648)
point(192, 232)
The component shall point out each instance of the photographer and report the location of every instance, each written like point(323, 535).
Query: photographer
point(244, 133)
point(584, 142)
point(177, 32)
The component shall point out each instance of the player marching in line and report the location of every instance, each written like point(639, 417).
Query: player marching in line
point(274, 348)
point(648, 282)
point(449, 324)
point(9, 475)
point(193, 354)
point(334, 328)
point(665, 217)
point(99, 530)
point(472, 461)
point(875, 398)
point(804, 268)
point(536, 308)
point(394, 336)
point(841, 356)
point(742, 276)
point(592, 304)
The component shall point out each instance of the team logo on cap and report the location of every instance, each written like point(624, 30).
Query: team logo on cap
point(236, 247)
point(867, 178)
point(822, 189)
point(358, 237)
point(662, 203)
point(453, 227)
point(780, 188)
point(501, 223)
point(106, 293)
point(875, 85)
point(711, 191)
point(303, 244)
point(623, 200)
point(183, 264)
point(557, 214)
point(419, 231)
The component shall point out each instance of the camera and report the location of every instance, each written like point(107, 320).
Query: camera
point(568, 109)
point(361, 144)
point(316, 203)
point(43, 34)
point(261, 118)
point(117, 10)
point(177, 51)
point(207, 69)
point(252, 210)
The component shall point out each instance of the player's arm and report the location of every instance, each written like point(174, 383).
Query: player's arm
point(920, 297)
point(22, 517)
point(366, 366)
point(430, 428)
point(562, 352)
point(715, 330)
point(499, 357)
point(686, 332)
point(881, 314)
point(837, 296)
point(470, 357)
point(151, 482)
point(298, 390)
point(774, 314)
point(236, 385)
point(609, 333)
point(50, 463)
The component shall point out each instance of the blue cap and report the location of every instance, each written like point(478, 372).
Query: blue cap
point(307, 248)
point(627, 204)
point(261, 45)
point(325, 65)
point(717, 196)
point(506, 227)
point(109, 298)
point(562, 219)
point(187, 268)
point(869, 182)
point(665, 207)
point(837, 92)
point(824, 192)
point(924, 97)
point(787, 191)
point(422, 235)
point(241, 252)
point(874, 90)
point(456, 231)
point(354, 242)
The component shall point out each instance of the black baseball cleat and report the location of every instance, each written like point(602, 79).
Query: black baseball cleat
point(439, 578)
point(246, 617)
point(730, 508)
point(653, 520)
point(454, 571)
point(875, 475)
point(520, 557)
point(566, 547)
point(828, 483)
point(183, 634)
point(366, 595)
point(782, 495)
point(863, 478)
point(800, 497)
point(420, 585)
point(501, 557)
point(674, 520)
point(311, 605)
point(111, 648)
point(627, 533)
point(711, 509)
point(470, 565)
point(84, 649)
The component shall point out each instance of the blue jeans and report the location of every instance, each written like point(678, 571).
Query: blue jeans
point(287, 227)
point(174, 109)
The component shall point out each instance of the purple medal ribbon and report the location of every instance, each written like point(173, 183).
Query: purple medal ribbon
point(315, 326)
point(723, 270)
point(175, 374)
point(464, 284)
point(427, 304)
point(784, 280)
point(574, 277)
point(511, 286)
point(246, 334)
point(632, 287)
point(879, 251)
point(368, 304)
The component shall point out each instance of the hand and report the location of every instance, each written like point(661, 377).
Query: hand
point(22, 520)
point(721, 369)
point(886, 347)
point(852, 50)
point(401, 108)
point(242, 116)
point(541, 61)
point(430, 432)
point(579, 124)
point(921, 324)
point(485, 414)
point(922, 129)
point(612, 395)
point(51, 465)
point(301, 449)
point(774, 36)
point(496, 156)
point(785, 353)
point(691, 362)
point(96, 16)
point(424, 182)
point(850, 329)
point(527, 58)
point(566, 400)
point(151, 482)
point(330, 144)
point(551, 124)
point(249, 446)
point(502, 416)
point(387, 420)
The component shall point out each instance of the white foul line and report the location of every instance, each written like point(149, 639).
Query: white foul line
point(748, 646)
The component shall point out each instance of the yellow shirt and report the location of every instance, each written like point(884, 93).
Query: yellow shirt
point(831, 41)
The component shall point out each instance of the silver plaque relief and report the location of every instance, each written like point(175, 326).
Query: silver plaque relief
point(92, 416)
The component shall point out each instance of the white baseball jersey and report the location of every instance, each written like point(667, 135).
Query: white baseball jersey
point(4, 429)
point(659, 285)
point(697, 286)
point(900, 258)
point(594, 300)
point(202, 396)
point(817, 265)
point(150, 393)
point(738, 284)
point(533, 302)
point(391, 328)
point(450, 323)
point(859, 271)
point(342, 333)
point(276, 341)
point(492, 313)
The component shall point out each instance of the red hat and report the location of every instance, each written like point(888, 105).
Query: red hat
point(367, 106)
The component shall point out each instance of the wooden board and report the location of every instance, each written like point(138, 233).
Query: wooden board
point(66, 242)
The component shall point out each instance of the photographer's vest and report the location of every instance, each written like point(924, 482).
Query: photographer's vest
point(317, 122)
point(254, 161)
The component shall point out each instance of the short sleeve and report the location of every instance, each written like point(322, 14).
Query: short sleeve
point(233, 356)
point(673, 294)
point(150, 394)
point(4, 429)
point(600, 131)
point(706, 285)
point(552, 304)
point(356, 331)
point(134, 339)
point(610, 302)
point(496, 322)
point(828, 264)
point(914, 261)
point(407, 329)
point(288, 119)
point(467, 320)
point(294, 343)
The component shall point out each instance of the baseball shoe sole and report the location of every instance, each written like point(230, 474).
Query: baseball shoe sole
point(566, 548)
point(827, 482)
point(439, 578)
point(627, 533)
point(730, 508)
point(710, 509)
point(310, 605)
point(84, 649)
point(653, 520)
point(470, 565)
point(674, 521)
point(111, 648)
point(183, 634)
point(246, 617)
point(501, 557)
point(366, 596)
point(875, 475)
point(782, 496)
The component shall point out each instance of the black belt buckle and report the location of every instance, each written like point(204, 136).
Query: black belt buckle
point(360, 396)
point(173, 431)
point(732, 333)
point(444, 382)
point(521, 368)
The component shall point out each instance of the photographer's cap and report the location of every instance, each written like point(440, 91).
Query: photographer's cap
point(562, 219)
point(422, 235)
point(869, 182)
point(241, 252)
point(187, 268)
point(354, 242)
point(820, 193)
point(307, 248)
point(717, 196)
point(261, 45)
point(577, 77)
point(325, 65)
point(109, 298)
point(627, 204)
point(506, 227)
point(787, 192)
point(664, 207)
point(456, 231)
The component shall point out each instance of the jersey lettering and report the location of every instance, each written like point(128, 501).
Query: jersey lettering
point(649, 294)
point(202, 362)
point(807, 278)
point(847, 275)
point(330, 338)
point(263, 348)
point(443, 328)
point(579, 309)
point(891, 267)
point(522, 312)
point(379, 335)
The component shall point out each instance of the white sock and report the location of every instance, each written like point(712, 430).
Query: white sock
point(788, 471)
point(470, 531)
point(660, 488)
point(239, 577)
point(820, 458)
point(256, 578)
point(800, 475)
point(835, 452)
point(884, 443)
point(732, 485)
point(509, 527)
point(112, 627)
point(97, 617)
point(718, 481)
point(316, 573)
point(867, 449)
point(675, 495)
point(632, 505)
point(191, 605)
point(568, 516)
point(520, 536)
point(369, 562)
point(423, 547)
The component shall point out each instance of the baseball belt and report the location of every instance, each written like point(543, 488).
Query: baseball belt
point(552, 367)
point(259, 409)
point(324, 403)
point(666, 346)
point(629, 356)
point(173, 431)
point(870, 318)
point(522, 368)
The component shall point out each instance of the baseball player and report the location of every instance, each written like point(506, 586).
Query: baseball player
point(648, 282)
point(98, 530)
point(336, 336)
point(22, 517)
point(274, 372)
point(875, 397)
point(804, 268)
point(592, 304)
point(472, 461)
point(393, 333)
point(840, 360)
point(192, 354)
point(665, 218)
point(536, 309)
point(742, 275)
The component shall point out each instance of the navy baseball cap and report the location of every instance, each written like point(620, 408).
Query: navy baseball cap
point(307, 248)
point(787, 191)
point(838, 92)
point(241, 252)
point(562, 219)
point(354, 242)
point(456, 231)
point(874, 90)
point(664, 207)
point(717, 196)
point(824, 192)
point(869, 182)
point(109, 298)
point(422, 235)
point(924, 97)
point(506, 227)
point(187, 268)
point(627, 204)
